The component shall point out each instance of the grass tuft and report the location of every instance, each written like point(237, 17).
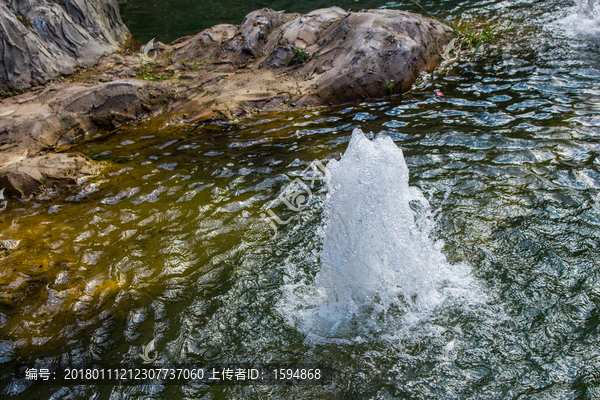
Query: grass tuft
point(473, 36)
point(24, 20)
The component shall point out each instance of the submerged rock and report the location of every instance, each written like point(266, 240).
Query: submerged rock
point(272, 61)
point(9, 244)
point(50, 171)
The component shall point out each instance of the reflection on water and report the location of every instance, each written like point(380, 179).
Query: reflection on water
point(168, 243)
point(168, 20)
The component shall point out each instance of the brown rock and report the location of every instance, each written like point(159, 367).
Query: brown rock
point(50, 171)
point(327, 56)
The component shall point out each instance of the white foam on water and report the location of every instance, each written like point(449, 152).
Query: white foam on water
point(380, 269)
point(582, 20)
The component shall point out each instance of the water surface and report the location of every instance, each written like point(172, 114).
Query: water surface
point(168, 242)
point(167, 20)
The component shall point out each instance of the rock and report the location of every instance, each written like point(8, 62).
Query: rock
point(305, 30)
point(280, 57)
point(204, 45)
point(357, 55)
point(347, 56)
point(120, 97)
point(9, 244)
point(271, 60)
point(254, 33)
point(51, 171)
point(40, 39)
point(48, 119)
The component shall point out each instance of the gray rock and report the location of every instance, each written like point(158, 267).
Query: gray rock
point(280, 57)
point(204, 45)
point(304, 30)
point(254, 33)
point(350, 56)
point(358, 55)
point(40, 39)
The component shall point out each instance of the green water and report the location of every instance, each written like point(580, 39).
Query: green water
point(167, 20)
point(167, 243)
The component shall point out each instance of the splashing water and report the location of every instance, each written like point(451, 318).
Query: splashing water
point(586, 6)
point(582, 20)
point(381, 270)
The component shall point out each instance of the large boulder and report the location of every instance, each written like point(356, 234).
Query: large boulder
point(331, 55)
point(40, 39)
point(366, 54)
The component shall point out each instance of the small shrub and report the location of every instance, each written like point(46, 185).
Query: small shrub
point(148, 74)
point(300, 57)
point(157, 77)
point(24, 20)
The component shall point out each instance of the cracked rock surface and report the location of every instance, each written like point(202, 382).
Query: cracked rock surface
point(40, 39)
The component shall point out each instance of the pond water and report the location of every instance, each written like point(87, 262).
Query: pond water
point(168, 242)
point(167, 20)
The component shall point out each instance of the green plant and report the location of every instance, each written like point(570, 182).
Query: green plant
point(300, 57)
point(389, 86)
point(147, 73)
point(473, 35)
point(145, 68)
point(157, 77)
point(24, 20)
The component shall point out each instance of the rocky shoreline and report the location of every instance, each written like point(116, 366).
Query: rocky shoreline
point(272, 61)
